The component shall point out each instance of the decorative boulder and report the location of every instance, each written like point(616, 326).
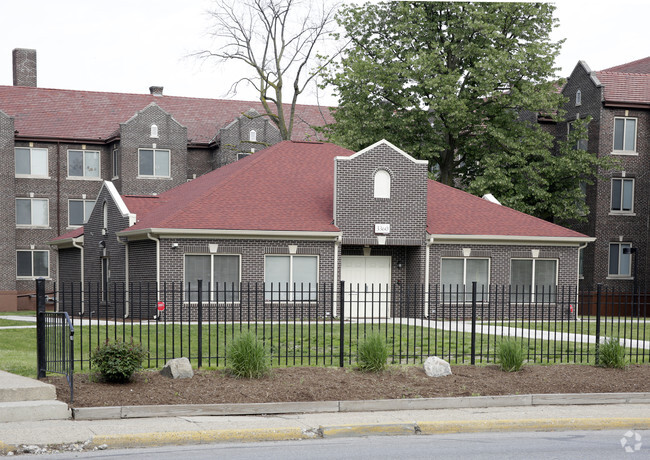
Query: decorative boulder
point(436, 367)
point(179, 368)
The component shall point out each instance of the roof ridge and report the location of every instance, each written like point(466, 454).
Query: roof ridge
point(627, 63)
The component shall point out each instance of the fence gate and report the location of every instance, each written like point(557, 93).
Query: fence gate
point(55, 340)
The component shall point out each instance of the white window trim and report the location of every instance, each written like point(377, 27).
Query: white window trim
point(84, 177)
point(252, 136)
point(468, 289)
point(32, 277)
point(153, 176)
point(578, 98)
point(211, 280)
point(613, 212)
point(33, 176)
point(71, 226)
point(636, 131)
point(115, 164)
point(611, 276)
point(47, 225)
point(532, 284)
point(290, 293)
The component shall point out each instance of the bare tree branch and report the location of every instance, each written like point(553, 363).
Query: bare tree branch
point(277, 40)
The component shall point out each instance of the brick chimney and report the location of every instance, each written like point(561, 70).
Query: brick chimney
point(24, 61)
point(156, 90)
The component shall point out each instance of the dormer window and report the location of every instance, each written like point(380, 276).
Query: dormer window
point(382, 184)
point(154, 131)
point(578, 98)
point(252, 136)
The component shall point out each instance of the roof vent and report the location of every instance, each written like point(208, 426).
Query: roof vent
point(24, 62)
point(489, 197)
point(156, 90)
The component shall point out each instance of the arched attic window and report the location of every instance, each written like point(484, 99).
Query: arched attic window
point(105, 218)
point(578, 98)
point(382, 184)
point(154, 131)
point(252, 136)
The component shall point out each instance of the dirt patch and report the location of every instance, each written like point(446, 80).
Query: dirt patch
point(335, 384)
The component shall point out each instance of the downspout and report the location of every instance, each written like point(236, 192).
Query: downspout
point(157, 266)
point(81, 248)
point(427, 252)
point(126, 274)
point(580, 248)
point(337, 245)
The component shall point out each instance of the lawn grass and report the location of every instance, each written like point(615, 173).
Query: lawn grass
point(289, 344)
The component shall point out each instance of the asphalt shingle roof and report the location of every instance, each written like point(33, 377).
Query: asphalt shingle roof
point(88, 115)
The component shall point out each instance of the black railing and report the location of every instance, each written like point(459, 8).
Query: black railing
point(55, 340)
point(323, 324)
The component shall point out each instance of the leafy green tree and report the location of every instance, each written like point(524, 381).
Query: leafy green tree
point(450, 82)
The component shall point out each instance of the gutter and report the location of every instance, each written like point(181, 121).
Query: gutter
point(75, 243)
point(580, 248)
point(427, 264)
point(126, 275)
point(248, 234)
point(509, 239)
point(337, 245)
point(149, 236)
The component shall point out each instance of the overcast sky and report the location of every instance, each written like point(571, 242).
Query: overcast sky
point(129, 45)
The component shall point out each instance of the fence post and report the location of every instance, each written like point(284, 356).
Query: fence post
point(473, 358)
point(341, 324)
point(598, 295)
point(40, 328)
point(200, 321)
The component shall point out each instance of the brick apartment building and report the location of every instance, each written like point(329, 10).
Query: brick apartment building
point(305, 213)
point(618, 101)
point(58, 147)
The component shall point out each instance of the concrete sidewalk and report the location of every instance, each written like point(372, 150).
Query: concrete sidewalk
point(158, 431)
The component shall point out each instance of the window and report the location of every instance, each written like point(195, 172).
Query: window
point(622, 195)
point(252, 136)
point(31, 162)
point(625, 135)
point(382, 184)
point(154, 131)
point(33, 212)
point(154, 163)
point(533, 280)
point(79, 211)
point(115, 163)
point(578, 98)
point(220, 275)
point(83, 163)
point(286, 275)
point(619, 262)
point(581, 144)
point(457, 275)
point(32, 264)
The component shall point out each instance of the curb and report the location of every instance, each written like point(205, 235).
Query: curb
point(476, 402)
point(201, 437)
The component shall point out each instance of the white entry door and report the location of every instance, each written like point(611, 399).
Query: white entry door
point(367, 285)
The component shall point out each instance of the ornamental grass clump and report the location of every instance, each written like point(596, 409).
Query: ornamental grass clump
point(612, 354)
point(248, 358)
point(372, 354)
point(510, 355)
point(117, 361)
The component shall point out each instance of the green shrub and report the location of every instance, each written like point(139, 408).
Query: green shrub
point(117, 361)
point(247, 357)
point(510, 355)
point(372, 354)
point(612, 354)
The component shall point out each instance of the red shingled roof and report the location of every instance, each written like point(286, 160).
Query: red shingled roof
point(87, 115)
point(638, 66)
point(454, 212)
point(625, 87)
point(285, 187)
point(289, 187)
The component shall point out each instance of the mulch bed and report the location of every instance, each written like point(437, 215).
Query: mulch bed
point(336, 384)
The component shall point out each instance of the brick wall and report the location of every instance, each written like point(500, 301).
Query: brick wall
point(8, 217)
point(235, 138)
point(136, 134)
point(357, 210)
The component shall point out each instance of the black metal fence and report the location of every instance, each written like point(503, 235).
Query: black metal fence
point(323, 324)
